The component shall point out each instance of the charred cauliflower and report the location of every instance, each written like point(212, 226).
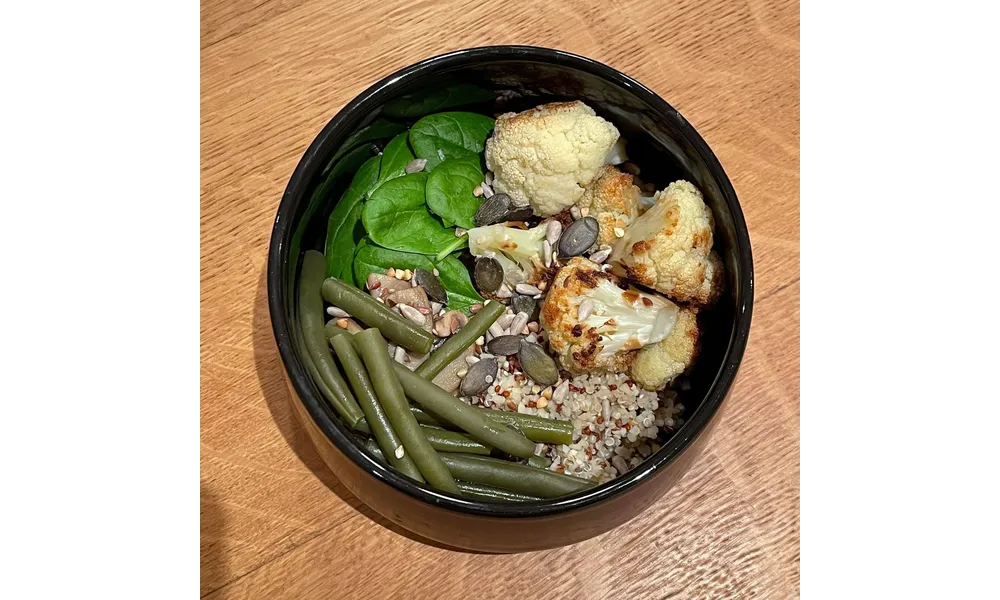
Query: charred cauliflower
point(545, 157)
point(613, 201)
point(594, 325)
point(669, 247)
point(658, 364)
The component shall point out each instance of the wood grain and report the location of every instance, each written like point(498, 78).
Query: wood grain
point(275, 523)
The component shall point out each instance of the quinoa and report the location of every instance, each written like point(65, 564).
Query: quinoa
point(616, 424)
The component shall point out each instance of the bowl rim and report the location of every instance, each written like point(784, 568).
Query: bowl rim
point(311, 162)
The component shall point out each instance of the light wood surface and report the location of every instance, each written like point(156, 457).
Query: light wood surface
point(274, 521)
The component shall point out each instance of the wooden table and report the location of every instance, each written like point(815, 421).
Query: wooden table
point(275, 523)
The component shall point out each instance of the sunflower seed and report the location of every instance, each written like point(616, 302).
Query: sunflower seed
point(583, 311)
point(505, 319)
point(552, 232)
point(487, 190)
point(520, 320)
point(333, 311)
point(527, 289)
point(495, 330)
point(575, 213)
point(416, 165)
point(503, 291)
point(411, 313)
point(493, 210)
point(471, 359)
point(560, 392)
point(400, 355)
point(601, 255)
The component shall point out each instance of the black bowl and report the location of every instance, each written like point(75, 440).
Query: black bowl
point(666, 147)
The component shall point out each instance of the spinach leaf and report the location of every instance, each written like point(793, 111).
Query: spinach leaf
point(343, 229)
point(425, 102)
point(449, 135)
point(449, 191)
point(371, 258)
point(395, 157)
point(456, 281)
point(376, 259)
point(396, 217)
point(376, 130)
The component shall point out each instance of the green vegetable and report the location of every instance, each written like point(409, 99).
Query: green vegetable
point(446, 135)
point(449, 191)
point(315, 342)
point(441, 440)
point(395, 157)
point(488, 493)
point(459, 243)
point(371, 312)
point(452, 410)
point(343, 229)
point(457, 344)
point(377, 130)
point(535, 428)
point(512, 476)
point(371, 258)
point(453, 275)
point(390, 395)
point(428, 101)
point(456, 281)
point(396, 217)
point(362, 386)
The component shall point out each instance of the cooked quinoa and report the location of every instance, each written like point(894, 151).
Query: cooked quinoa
point(615, 422)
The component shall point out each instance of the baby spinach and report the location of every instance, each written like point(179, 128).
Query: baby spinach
point(449, 191)
point(396, 217)
point(453, 275)
point(449, 135)
point(456, 281)
point(427, 101)
point(376, 130)
point(395, 157)
point(344, 230)
point(371, 258)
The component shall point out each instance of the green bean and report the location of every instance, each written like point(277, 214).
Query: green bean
point(443, 440)
point(471, 420)
point(475, 491)
point(390, 394)
point(488, 493)
point(368, 310)
point(314, 340)
point(539, 462)
point(457, 344)
point(535, 428)
point(374, 414)
point(512, 476)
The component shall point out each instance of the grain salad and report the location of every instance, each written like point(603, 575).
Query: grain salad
point(505, 330)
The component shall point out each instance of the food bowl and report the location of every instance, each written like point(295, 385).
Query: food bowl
point(660, 140)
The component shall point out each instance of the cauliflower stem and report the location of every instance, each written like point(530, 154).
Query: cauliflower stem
point(518, 251)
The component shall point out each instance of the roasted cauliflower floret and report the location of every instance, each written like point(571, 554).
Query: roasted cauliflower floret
point(594, 325)
point(656, 365)
point(613, 201)
point(669, 247)
point(545, 157)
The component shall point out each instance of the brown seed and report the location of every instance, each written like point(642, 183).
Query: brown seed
point(512, 405)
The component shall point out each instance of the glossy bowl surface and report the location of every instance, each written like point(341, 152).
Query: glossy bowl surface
point(664, 145)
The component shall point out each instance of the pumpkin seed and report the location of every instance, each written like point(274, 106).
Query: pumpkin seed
point(504, 345)
point(537, 364)
point(579, 237)
point(431, 284)
point(475, 381)
point(488, 274)
point(526, 304)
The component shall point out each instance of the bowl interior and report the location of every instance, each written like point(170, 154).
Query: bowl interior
point(660, 142)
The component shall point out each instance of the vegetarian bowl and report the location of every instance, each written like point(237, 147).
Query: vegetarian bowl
point(511, 288)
